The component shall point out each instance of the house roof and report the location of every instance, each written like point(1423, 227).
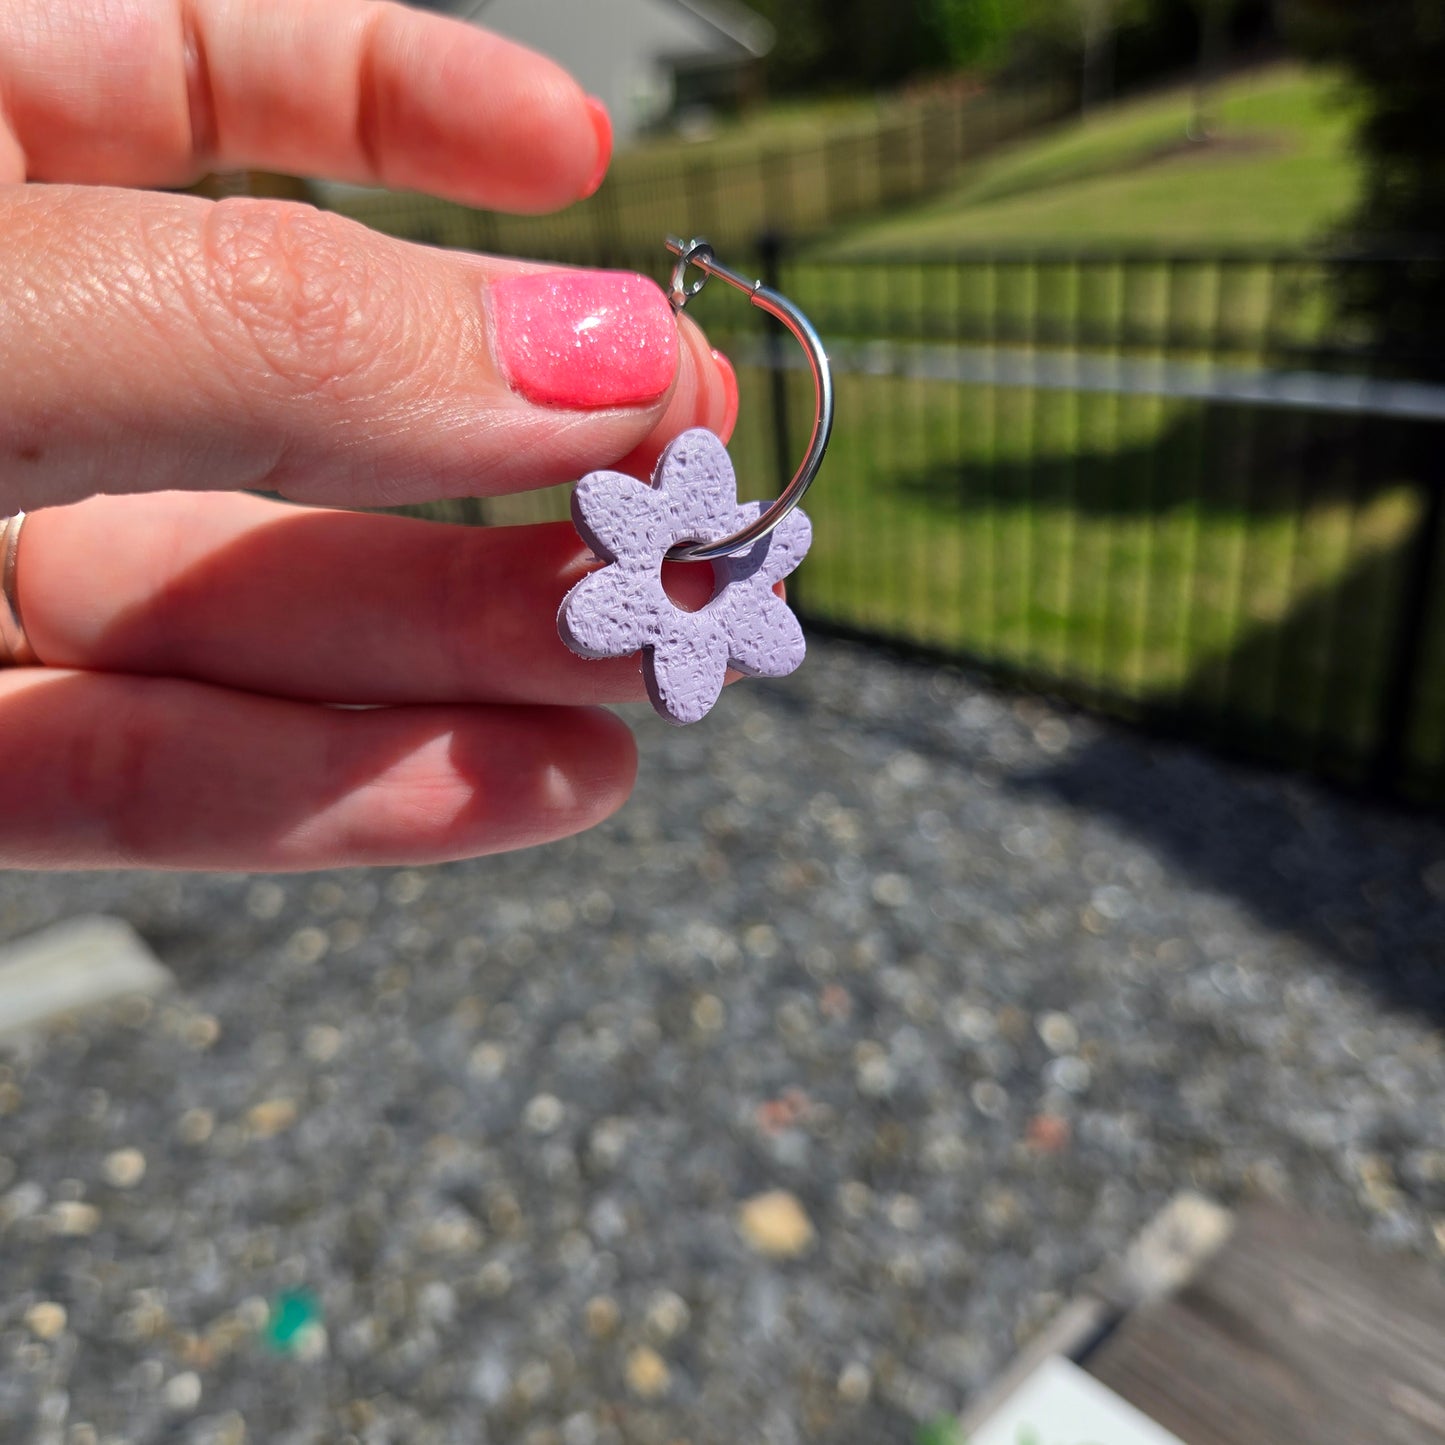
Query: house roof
point(731, 19)
point(740, 24)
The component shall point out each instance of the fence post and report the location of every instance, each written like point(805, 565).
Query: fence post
point(1409, 657)
point(842, 158)
point(936, 159)
point(701, 184)
point(777, 192)
point(770, 259)
point(607, 226)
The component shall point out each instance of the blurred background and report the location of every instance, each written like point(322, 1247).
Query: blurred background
point(1094, 855)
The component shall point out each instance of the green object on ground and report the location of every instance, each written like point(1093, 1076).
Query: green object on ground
point(292, 1313)
point(942, 1430)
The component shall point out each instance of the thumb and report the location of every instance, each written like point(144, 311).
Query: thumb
point(151, 342)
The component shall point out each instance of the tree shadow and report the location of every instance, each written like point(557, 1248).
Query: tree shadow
point(1254, 461)
point(1362, 882)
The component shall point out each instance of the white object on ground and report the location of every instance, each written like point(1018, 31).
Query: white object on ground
point(73, 965)
point(1059, 1404)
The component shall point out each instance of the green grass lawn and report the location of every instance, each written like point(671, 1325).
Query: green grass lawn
point(1278, 172)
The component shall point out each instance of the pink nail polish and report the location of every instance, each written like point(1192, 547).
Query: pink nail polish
point(584, 338)
point(730, 394)
point(602, 128)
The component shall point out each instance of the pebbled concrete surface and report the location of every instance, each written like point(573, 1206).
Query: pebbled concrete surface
point(781, 1108)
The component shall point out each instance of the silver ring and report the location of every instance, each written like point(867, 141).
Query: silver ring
point(15, 648)
point(698, 253)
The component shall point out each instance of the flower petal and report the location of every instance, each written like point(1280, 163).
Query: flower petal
point(786, 546)
point(685, 669)
point(612, 612)
point(777, 554)
point(695, 475)
point(618, 516)
point(765, 639)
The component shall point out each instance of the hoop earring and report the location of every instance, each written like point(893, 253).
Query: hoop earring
point(690, 512)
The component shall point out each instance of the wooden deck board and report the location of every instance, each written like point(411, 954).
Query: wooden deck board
point(1294, 1333)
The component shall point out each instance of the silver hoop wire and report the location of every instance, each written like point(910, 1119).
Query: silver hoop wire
point(698, 253)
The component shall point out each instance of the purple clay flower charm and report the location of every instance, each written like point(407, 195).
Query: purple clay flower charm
point(622, 607)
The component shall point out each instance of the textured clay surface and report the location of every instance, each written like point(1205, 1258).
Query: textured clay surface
point(623, 606)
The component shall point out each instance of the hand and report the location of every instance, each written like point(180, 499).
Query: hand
point(193, 644)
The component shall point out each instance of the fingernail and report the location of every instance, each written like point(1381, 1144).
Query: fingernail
point(602, 128)
point(730, 393)
point(584, 338)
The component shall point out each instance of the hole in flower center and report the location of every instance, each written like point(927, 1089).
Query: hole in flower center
point(690, 586)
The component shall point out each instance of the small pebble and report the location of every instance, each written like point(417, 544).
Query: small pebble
point(775, 1224)
point(487, 1062)
point(406, 887)
point(1059, 1033)
point(874, 1072)
point(46, 1320)
point(647, 1374)
point(453, 1231)
point(855, 1383)
point(990, 1098)
point(607, 1144)
point(123, 1168)
point(323, 1043)
point(970, 1023)
point(533, 1382)
point(202, 1031)
point(601, 1316)
point(494, 1278)
point(195, 1126)
point(904, 1212)
point(892, 890)
point(1047, 1134)
point(311, 1343)
point(1069, 1073)
point(183, 1391)
point(71, 1217)
point(708, 1014)
point(271, 1117)
point(544, 1114)
point(265, 900)
point(227, 1429)
point(667, 1315)
point(308, 945)
point(437, 1302)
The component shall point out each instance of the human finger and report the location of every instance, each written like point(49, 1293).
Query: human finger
point(316, 604)
point(153, 342)
point(158, 93)
point(104, 771)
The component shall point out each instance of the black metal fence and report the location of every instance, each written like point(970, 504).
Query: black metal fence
point(1170, 487)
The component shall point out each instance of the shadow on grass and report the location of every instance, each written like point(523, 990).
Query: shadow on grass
point(1249, 461)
